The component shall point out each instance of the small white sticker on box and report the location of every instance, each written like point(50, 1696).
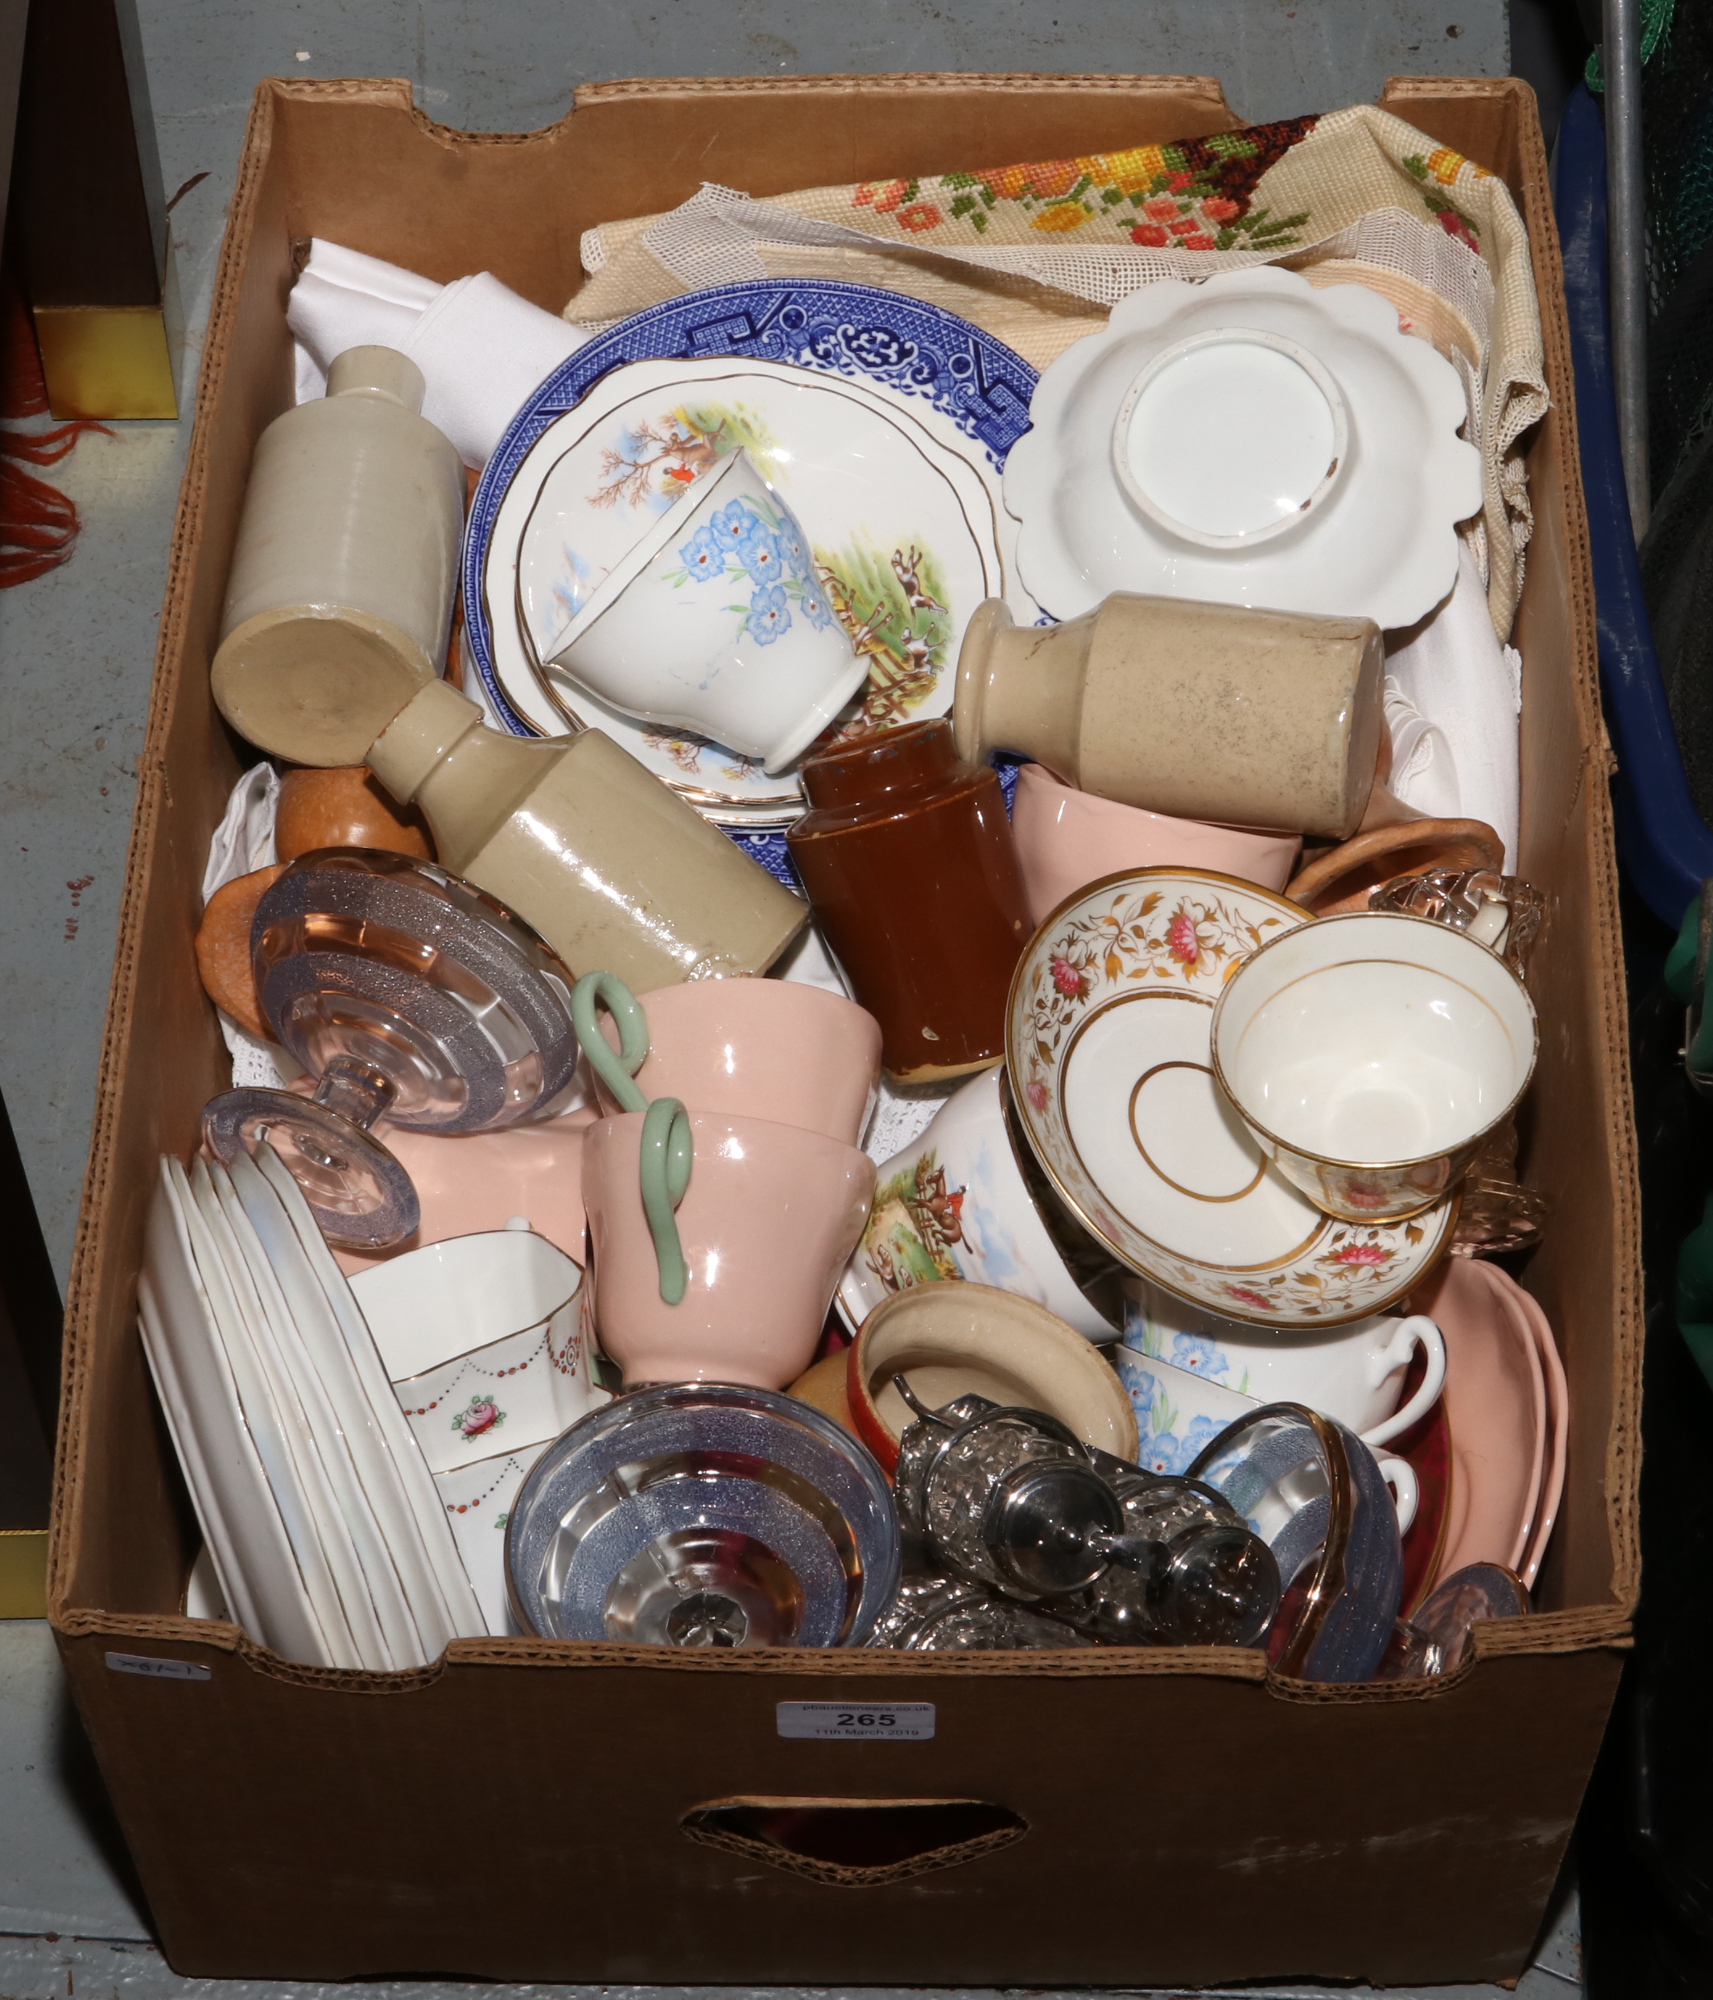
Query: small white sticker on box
point(895, 1722)
point(155, 1669)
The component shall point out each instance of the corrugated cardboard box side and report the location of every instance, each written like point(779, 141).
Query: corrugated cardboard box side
point(519, 1811)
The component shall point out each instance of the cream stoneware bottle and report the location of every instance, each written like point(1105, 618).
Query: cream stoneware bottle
point(340, 596)
point(614, 870)
point(1205, 711)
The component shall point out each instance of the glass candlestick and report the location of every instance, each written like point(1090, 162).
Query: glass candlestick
point(409, 995)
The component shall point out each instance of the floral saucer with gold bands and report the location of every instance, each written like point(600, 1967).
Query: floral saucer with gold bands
point(1109, 1061)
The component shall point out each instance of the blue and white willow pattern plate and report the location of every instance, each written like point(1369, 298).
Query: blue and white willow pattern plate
point(893, 345)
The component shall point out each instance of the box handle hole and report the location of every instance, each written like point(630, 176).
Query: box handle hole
point(855, 1843)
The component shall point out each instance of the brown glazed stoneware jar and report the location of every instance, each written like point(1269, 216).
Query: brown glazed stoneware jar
point(907, 857)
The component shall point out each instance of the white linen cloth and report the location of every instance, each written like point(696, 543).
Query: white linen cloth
point(1454, 693)
point(483, 349)
point(242, 843)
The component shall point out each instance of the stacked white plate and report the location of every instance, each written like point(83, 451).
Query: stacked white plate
point(329, 1541)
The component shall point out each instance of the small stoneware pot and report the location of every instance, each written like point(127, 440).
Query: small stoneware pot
point(1343, 878)
point(824, 1385)
point(716, 621)
point(1067, 839)
point(1371, 1055)
point(1204, 711)
point(339, 599)
point(909, 863)
point(759, 1048)
point(959, 1340)
point(766, 1222)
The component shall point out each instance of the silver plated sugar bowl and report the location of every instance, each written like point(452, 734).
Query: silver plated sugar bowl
point(949, 1614)
point(1009, 1498)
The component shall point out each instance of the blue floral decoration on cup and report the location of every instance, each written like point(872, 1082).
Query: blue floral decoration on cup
point(747, 542)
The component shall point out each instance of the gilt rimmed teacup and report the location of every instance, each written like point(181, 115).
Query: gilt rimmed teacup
point(1371, 1054)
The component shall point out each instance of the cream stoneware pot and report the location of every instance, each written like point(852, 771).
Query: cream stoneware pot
point(614, 870)
point(960, 1340)
point(340, 594)
point(1204, 711)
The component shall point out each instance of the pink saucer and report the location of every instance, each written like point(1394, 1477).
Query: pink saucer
point(1558, 1424)
point(481, 1179)
point(1496, 1405)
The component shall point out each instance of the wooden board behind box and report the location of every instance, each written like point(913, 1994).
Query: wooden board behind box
point(535, 1812)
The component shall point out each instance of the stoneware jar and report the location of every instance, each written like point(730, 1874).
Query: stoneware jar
point(340, 595)
point(908, 860)
point(611, 867)
point(1204, 711)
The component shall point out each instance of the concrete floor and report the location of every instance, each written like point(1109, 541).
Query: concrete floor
point(76, 647)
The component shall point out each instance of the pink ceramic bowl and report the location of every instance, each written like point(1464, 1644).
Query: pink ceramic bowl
point(1067, 839)
point(1506, 1418)
point(760, 1048)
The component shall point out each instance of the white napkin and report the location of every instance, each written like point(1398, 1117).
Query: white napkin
point(1453, 673)
point(242, 843)
point(481, 347)
point(343, 299)
point(244, 839)
point(1424, 774)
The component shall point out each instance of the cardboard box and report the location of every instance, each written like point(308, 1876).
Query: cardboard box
point(527, 1811)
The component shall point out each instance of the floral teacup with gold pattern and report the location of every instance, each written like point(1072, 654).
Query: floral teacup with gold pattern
point(1370, 1054)
point(1108, 1050)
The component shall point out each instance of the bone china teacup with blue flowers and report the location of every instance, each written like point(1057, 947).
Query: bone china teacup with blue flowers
point(1179, 1413)
point(716, 621)
point(1353, 1373)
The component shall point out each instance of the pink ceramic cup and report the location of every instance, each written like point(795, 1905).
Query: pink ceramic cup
point(759, 1048)
point(766, 1224)
point(1067, 839)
